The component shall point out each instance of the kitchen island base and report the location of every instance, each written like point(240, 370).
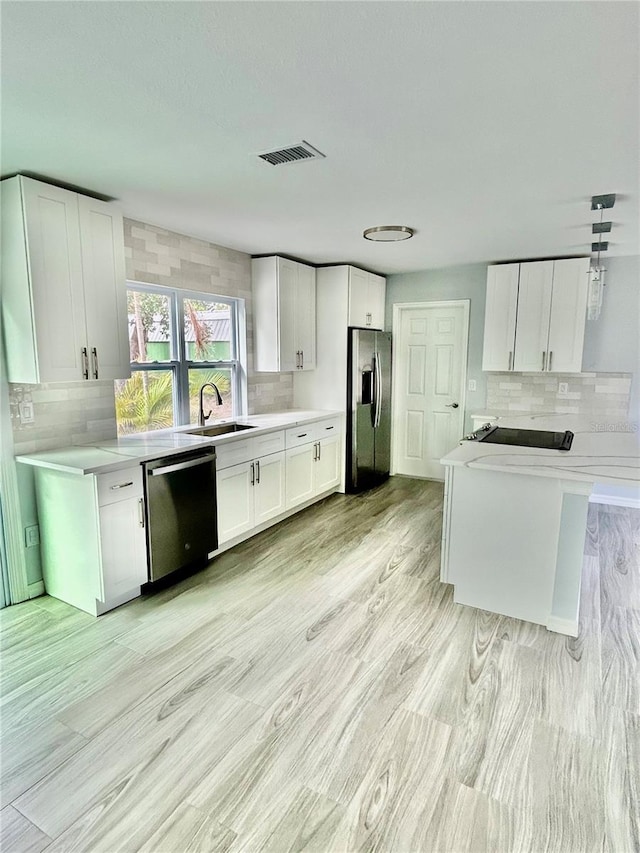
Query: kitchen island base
point(513, 544)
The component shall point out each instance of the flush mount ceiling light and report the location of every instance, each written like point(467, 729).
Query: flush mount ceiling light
point(388, 233)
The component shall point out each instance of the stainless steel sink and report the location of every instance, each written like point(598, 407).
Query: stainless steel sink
point(220, 429)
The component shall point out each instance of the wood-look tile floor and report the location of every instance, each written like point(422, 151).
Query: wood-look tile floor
point(317, 689)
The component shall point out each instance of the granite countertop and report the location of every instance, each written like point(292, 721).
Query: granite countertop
point(601, 452)
point(122, 452)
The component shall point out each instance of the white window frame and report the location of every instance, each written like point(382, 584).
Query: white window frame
point(180, 365)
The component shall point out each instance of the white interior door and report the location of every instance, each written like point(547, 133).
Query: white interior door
point(430, 354)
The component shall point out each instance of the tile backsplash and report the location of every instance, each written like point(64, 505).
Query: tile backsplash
point(599, 394)
point(157, 256)
point(60, 414)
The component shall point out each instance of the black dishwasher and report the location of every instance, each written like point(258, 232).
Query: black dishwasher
point(182, 526)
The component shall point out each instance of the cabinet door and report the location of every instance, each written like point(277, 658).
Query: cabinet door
point(327, 465)
point(299, 474)
point(105, 294)
point(287, 285)
point(532, 319)
point(358, 297)
point(53, 248)
point(568, 315)
point(500, 317)
point(306, 316)
point(123, 547)
point(269, 488)
point(377, 289)
point(235, 501)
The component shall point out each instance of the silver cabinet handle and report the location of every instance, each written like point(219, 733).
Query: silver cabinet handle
point(301, 435)
point(85, 362)
point(121, 485)
point(297, 359)
point(141, 512)
point(258, 471)
point(544, 360)
point(550, 359)
point(451, 405)
point(253, 474)
point(510, 359)
point(301, 359)
point(319, 451)
point(94, 358)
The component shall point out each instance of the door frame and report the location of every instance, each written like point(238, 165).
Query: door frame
point(398, 308)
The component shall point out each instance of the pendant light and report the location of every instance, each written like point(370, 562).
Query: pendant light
point(596, 270)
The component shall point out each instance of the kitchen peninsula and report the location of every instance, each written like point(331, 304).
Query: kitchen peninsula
point(514, 518)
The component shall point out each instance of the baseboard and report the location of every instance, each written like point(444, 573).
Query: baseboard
point(569, 627)
point(34, 590)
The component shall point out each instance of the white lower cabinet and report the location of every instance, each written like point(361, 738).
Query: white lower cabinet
point(313, 467)
point(255, 489)
point(124, 548)
point(327, 468)
point(93, 540)
point(250, 494)
point(300, 474)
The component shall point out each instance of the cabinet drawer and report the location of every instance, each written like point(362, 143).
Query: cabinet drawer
point(233, 453)
point(328, 428)
point(119, 485)
point(304, 434)
point(272, 442)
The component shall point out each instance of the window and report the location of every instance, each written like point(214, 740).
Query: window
point(179, 340)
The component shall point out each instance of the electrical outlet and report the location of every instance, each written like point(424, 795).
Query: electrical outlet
point(563, 389)
point(472, 385)
point(26, 412)
point(32, 535)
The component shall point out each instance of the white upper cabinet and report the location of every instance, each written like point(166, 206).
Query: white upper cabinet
point(500, 317)
point(532, 319)
point(64, 290)
point(102, 244)
point(284, 303)
point(568, 312)
point(366, 299)
point(535, 316)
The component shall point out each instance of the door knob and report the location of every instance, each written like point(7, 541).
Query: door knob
point(451, 405)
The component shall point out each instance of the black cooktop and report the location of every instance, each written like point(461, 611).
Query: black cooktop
point(526, 437)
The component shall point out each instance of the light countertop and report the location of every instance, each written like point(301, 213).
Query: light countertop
point(601, 452)
point(122, 452)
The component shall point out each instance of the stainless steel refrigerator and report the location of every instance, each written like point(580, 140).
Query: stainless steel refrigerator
point(368, 409)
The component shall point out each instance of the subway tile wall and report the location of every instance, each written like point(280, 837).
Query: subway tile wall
point(84, 413)
point(605, 395)
point(64, 413)
point(157, 256)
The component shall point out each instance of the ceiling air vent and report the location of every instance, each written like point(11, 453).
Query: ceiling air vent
point(293, 154)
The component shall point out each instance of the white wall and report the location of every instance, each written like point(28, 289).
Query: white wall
point(612, 342)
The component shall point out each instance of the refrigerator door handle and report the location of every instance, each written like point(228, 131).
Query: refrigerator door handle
point(378, 391)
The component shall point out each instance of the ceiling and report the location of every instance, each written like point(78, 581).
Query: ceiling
point(486, 126)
